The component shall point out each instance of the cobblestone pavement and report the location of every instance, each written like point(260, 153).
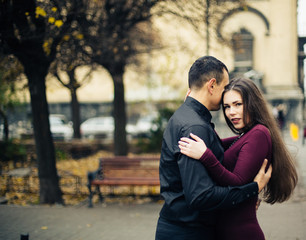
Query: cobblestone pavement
point(286, 221)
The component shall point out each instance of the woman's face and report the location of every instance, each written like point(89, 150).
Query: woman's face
point(233, 107)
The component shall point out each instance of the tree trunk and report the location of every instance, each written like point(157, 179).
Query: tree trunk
point(75, 113)
point(74, 104)
point(120, 143)
point(50, 191)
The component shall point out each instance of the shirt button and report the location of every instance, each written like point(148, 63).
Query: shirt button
point(248, 195)
point(233, 203)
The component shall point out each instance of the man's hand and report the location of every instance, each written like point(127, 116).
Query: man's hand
point(258, 203)
point(262, 178)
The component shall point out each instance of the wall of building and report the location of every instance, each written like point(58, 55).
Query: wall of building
point(275, 50)
point(275, 56)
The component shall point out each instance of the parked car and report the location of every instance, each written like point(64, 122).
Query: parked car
point(142, 128)
point(98, 127)
point(60, 128)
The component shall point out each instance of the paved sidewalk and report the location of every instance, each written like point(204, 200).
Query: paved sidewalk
point(109, 222)
point(286, 221)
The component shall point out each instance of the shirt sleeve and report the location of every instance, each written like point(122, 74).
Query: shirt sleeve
point(251, 156)
point(200, 191)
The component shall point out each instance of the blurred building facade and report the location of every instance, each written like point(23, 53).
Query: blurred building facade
point(258, 40)
point(265, 48)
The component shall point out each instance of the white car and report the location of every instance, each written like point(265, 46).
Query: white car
point(98, 127)
point(60, 129)
point(143, 127)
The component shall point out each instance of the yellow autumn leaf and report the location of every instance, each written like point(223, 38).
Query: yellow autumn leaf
point(46, 46)
point(27, 13)
point(19, 179)
point(54, 9)
point(40, 12)
point(44, 228)
point(58, 23)
point(51, 20)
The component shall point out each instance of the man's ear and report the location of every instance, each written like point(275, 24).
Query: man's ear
point(211, 85)
point(187, 94)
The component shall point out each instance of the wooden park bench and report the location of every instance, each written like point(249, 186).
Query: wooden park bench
point(123, 171)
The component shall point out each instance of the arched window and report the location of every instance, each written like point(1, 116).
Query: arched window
point(243, 50)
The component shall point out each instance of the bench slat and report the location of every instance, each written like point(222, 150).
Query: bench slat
point(127, 181)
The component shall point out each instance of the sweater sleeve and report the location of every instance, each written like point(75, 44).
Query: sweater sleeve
point(226, 142)
point(254, 150)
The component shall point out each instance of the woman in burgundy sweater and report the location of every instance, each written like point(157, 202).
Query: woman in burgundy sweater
point(247, 114)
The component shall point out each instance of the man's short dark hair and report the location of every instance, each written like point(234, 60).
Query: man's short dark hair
point(204, 69)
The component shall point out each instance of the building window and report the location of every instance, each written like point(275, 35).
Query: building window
point(243, 50)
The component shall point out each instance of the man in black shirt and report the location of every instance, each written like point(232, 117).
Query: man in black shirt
point(191, 197)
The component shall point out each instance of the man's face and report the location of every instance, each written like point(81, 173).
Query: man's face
point(218, 90)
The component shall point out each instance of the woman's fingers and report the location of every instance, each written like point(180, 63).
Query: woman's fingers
point(182, 143)
point(183, 148)
point(189, 140)
point(185, 139)
point(195, 137)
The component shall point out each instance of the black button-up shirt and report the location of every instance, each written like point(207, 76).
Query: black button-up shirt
point(190, 195)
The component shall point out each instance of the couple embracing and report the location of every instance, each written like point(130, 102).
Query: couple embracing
point(211, 185)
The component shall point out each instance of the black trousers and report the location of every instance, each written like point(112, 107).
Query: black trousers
point(167, 230)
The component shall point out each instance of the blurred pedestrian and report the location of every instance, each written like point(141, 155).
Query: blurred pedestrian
point(247, 114)
point(279, 112)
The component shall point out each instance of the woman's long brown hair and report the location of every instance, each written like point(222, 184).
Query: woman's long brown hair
point(255, 108)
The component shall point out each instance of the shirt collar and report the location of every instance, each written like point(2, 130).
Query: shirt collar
point(199, 108)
